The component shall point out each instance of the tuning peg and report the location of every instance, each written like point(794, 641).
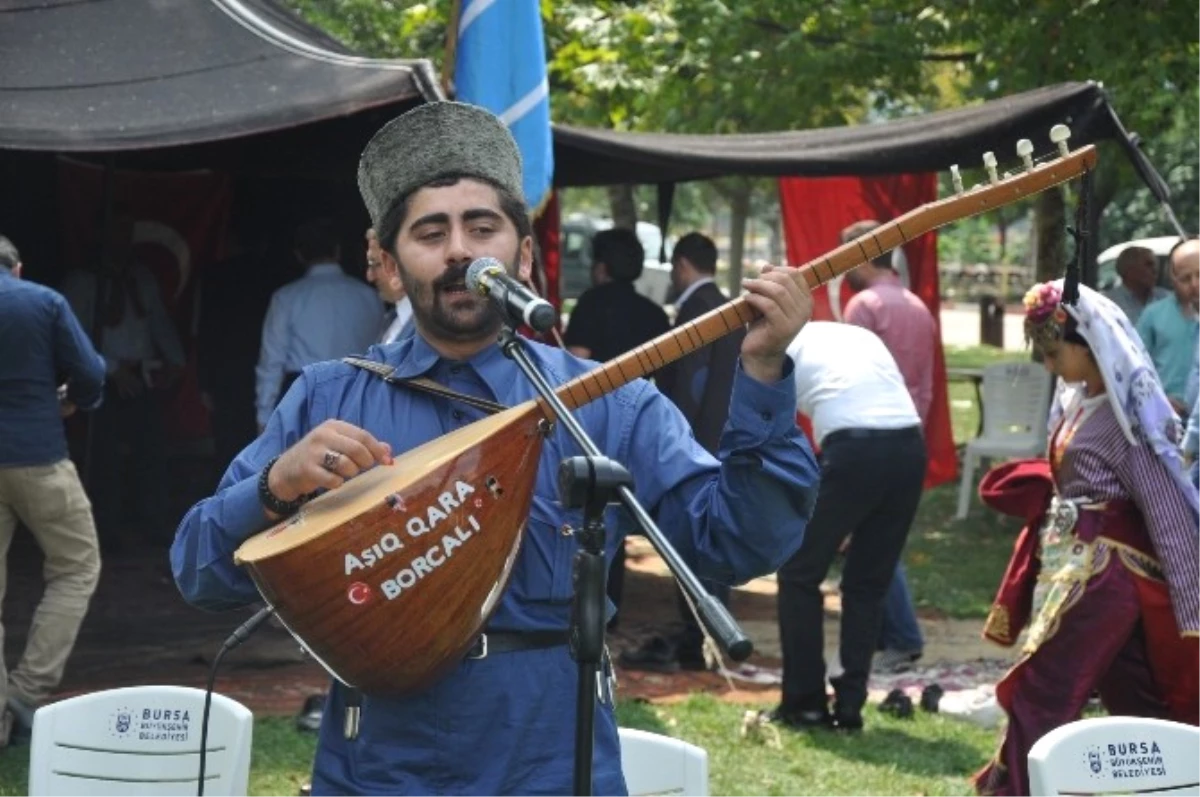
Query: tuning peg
point(957, 178)
point(1059, 135)
point(989, 163)
point(1025, 150)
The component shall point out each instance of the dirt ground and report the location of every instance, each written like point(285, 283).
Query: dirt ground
point(139, 631)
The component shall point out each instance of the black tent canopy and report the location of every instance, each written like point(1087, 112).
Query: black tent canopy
point(128, 75)
point(247, 86)
point(928, 142)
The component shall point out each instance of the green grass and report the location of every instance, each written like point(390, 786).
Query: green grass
point(954, 566)
point(953, 570)
point(927, 754)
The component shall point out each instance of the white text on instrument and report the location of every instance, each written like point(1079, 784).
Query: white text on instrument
point(426, 563)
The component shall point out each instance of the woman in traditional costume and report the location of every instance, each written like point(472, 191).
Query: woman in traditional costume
point(1104, 579)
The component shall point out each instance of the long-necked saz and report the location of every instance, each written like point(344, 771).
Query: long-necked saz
point(441, 528)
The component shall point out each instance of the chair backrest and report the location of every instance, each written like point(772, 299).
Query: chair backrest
point(139, 740)
point(1016, 399)
point(1116, 755)
point(656, 764)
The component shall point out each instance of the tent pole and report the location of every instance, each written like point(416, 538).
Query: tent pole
point(451, 48)
point(666, 199)
point(104, 220)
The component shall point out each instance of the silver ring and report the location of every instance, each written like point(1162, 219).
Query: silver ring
point(330, 460)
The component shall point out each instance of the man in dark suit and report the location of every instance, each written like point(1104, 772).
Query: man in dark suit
point(700, 384)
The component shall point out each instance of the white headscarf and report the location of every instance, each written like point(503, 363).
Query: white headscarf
point(1131, 382)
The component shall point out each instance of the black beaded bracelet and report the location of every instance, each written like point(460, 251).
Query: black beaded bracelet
point(270, 500)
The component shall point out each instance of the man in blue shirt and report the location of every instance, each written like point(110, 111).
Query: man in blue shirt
point(1169, 327)
point(41, 340)
point(442, 185)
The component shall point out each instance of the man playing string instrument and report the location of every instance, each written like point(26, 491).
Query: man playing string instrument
point(442, 184)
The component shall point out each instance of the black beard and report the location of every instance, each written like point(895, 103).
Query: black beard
point(437, 321)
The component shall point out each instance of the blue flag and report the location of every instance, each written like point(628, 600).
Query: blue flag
point(500, 64)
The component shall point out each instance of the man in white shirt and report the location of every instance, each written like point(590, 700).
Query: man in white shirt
point(385, 276)
point(872, 470)
point(324, 315)
point(121, 306)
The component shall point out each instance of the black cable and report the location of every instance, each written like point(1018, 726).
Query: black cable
point(240, 635)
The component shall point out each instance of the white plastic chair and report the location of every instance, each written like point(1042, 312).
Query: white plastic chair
point(1016, 407)
point(656, 764)
point(1116, 755)
point(139, 740)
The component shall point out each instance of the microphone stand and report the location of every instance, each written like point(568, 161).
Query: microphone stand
point(590, 481)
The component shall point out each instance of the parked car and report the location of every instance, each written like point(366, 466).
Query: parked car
point(576, 261)
point(1106, 263)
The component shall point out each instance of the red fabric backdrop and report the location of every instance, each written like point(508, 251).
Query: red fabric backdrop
point(179, 225)
point(816, 210)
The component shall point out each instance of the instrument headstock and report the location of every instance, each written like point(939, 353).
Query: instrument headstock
point(1059, 135)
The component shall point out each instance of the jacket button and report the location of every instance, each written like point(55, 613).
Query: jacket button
point(457, 415)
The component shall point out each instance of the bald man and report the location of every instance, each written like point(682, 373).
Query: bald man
point(1138, 269)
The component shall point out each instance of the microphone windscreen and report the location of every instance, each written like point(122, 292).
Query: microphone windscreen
point(477, 270)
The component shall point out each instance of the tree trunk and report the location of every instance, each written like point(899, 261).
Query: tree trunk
point(1050, 259)
point(1002, 228)
point(624, 209)
point(739, 211)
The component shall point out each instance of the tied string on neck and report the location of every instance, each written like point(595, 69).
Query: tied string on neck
point(1082, 236)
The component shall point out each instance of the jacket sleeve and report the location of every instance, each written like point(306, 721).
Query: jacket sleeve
point(213, 529)
point(744, 515)
point(75, 355)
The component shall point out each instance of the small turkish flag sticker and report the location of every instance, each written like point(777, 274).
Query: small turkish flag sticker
point(359, 593)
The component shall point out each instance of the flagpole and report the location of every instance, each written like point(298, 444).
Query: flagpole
point(451, 48)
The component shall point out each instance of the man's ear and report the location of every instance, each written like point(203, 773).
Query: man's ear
point(525, 259)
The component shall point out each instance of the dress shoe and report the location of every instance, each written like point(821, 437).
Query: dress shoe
point(847, 720)
point(309, 718)
point(655, 655)
point(692, 659)
point(815, 719)
point(897, 704)
point(895, 661)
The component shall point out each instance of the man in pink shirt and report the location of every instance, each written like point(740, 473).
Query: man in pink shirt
point(883, 305)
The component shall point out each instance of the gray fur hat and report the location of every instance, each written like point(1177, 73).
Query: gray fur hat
point(435, 140)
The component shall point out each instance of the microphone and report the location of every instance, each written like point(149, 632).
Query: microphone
point(488, 277)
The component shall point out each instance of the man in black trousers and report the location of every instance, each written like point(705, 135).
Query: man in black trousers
point(872, 456)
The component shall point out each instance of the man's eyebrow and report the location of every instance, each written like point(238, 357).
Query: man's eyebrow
point(444, 218)
point(480, 213)
point(430, 218)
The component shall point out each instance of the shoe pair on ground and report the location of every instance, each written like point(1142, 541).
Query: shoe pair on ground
point(659, 654)
point(842, 717)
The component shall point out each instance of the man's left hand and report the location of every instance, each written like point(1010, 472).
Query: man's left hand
point(782, 298)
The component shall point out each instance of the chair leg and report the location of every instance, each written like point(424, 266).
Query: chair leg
point(967, 485)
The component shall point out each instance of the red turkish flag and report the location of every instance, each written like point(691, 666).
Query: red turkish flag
point(816, 210)
point(179, 225)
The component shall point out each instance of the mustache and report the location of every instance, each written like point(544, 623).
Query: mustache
point(453, 275)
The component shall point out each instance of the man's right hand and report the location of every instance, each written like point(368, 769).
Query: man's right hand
point(326, 457)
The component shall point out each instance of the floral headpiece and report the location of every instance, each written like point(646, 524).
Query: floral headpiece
point(1045, 315)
